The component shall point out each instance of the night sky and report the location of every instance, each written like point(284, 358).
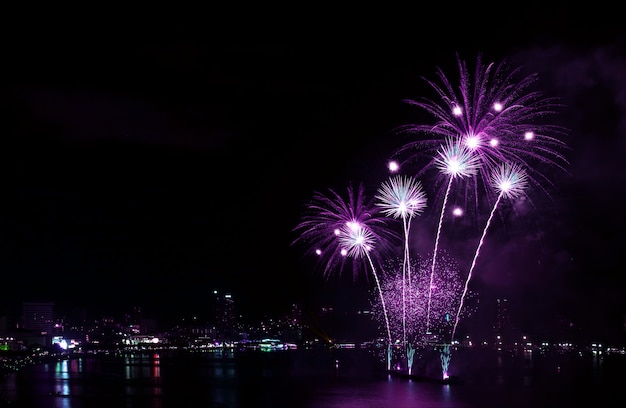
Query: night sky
point(150, 161)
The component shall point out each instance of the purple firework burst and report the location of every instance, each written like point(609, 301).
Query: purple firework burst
point(496, 116)
point(326, 216)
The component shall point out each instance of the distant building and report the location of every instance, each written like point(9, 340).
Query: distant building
point(224, 316)
point(38, 317)
point(133, 321)
point(505, 327)
point(502, 316)
point(36, 325)
point(3, 326)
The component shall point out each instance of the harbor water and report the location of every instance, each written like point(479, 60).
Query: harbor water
point(323, 378)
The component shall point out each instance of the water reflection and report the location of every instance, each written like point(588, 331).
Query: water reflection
point(142, 375)
point(322, 378)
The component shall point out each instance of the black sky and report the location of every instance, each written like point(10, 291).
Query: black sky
point(149, 161)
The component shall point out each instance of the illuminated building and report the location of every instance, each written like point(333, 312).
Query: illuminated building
point(38, 317)
point(224, 316)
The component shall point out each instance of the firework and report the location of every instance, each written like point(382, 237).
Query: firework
point(338, 230)
point(454, 160)
point(326, 215)
point(488, 138)
point(494, 113)
point(446, 291)
point(402, 197)
point(509, 181)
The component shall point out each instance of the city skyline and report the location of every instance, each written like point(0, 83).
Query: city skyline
point(157, 164)
point(325, 326)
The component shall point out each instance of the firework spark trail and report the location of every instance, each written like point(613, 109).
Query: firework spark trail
point(392, 283)
point(447, 288)
point(402, 197)
point(336, 230)
point(406, 277)
point(454, 160)
point(432, 268)
point(469, 275)
point(382, 303)
point(509, 180)
point(357, 242)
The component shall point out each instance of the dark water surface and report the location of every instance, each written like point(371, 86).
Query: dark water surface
point(315, 378)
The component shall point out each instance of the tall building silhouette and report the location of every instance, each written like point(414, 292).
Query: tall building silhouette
point(503, 320)
point(224, 315)
point(38, 317)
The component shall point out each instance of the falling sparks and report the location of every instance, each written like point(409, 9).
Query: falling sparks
point(447, 287)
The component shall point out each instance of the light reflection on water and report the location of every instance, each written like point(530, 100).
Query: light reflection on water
point(392, 393)
point(309, 378)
